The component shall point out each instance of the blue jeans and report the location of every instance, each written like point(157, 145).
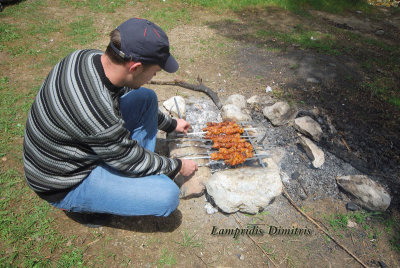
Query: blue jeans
point(107, 191)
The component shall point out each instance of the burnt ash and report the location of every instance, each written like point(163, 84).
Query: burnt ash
point(301, 180)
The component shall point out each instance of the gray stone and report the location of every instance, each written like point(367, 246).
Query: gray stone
point(316, 155)
point(237, 100)
point(259, 100)
point(368, 193)
point(312, 80)
point(194, 185)
point(280, 113)
point(231, 112)
point(170, 106)
point(380, 32)
point(309, 127)
point(254, 100)
point(247, 190)
point(351, 206)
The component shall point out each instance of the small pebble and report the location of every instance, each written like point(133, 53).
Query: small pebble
point(312, 80)
point(382, 264)
point(351, 206)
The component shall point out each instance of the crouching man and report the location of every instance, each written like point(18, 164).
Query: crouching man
point(91, 131)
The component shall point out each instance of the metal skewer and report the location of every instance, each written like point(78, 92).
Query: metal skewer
point(223, 162)
point(201, 139)
point(177, 108)
point(259, 159)
point(256, 156)
point(204, 132)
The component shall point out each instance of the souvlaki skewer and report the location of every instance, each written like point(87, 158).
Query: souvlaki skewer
point(205, 132)
point(255, 156)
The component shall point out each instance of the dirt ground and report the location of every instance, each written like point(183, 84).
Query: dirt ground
point(223, 51)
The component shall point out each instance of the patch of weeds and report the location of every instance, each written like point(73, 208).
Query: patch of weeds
point(4, 82)
point(168, 17)
point(305, 38)
point(166, 259)
point(338, 221)
point(72, 258)
point(126, 262)
point(271, 253)
point(189, 241)
point(395, 101)
point(278, 93)
point(108, 6)
point(395, 242)
point(82, 31)
point(43, 27)
point(24, 229)
point(8, 32)
point(384, 88)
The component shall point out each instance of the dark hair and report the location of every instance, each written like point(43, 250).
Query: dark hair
point(115, 38)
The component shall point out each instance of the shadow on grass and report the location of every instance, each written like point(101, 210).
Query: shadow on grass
point(144, 224)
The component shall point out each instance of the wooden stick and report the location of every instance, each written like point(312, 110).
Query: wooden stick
point(200, 87)
point(345, 144)
point(320, 228)
point(265, 253)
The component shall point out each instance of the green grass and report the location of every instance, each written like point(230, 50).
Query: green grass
point(188, 240)
point(374, 224)
point(307, 39)
point(338, 221)
point(297, 6)
point(28, 238)
point(98, 6)
point(82, 30)
point(168, 17)
point(166, 260)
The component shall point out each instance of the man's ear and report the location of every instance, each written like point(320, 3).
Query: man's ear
point(134, 66)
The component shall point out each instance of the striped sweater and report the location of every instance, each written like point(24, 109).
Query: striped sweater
point(75, 125)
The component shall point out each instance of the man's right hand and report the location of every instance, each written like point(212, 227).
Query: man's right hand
point(188, 167)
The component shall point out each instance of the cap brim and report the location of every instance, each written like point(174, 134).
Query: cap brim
point(171, 65)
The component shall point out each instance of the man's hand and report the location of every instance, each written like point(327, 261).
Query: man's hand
point(182, 126)
point(188, 167)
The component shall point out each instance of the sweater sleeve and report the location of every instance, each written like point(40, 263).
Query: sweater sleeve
point(165, 122)
point(115, 147)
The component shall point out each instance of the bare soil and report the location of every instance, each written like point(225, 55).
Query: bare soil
point(225, 53)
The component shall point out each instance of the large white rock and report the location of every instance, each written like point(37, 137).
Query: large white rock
point(237, 100)
point(369, 194)
point(313, 151)
point(308, 127)
point(247, 190)
point(259, 100)
point(231, 112)
point(170, 106)
point(280, 113)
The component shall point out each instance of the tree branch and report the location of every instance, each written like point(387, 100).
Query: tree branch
point(200, 87)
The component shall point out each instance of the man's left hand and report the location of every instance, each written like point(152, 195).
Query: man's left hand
point(182, 126)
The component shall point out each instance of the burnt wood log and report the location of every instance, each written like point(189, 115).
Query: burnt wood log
point(200, 87)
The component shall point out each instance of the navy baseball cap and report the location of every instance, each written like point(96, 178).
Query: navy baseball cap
point(143, 41)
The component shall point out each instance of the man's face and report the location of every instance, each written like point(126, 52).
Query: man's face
point(142, 75)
